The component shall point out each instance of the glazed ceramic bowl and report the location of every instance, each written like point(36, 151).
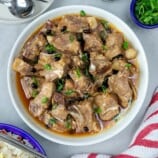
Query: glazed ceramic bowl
point(135, 19)
point(23, 134)
point(122, 123)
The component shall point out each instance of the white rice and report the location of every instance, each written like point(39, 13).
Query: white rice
point(9, 151)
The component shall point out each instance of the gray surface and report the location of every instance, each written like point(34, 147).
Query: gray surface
point(148, 38)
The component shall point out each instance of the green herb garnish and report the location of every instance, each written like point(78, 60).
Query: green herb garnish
point(57, 55)
point(125, 45)
point(52, 121)
point(35, 81)
point(82, 13)
point(128, 65)
point(103, 88)
point(44, 100)
point(85, 57)
point(105, 24)
point(97, 110)
point(71, 38)
point(78, 72)
point(47, 67)
point(50, 48)
point(68, 122)
point(60, 85)
point(104, 47)
point(54, 106)
point(69, 92)
point(147, 11)
point(34, 93)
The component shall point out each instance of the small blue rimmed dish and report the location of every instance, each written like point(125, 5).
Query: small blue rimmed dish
point(136, 20)
point(24, 135)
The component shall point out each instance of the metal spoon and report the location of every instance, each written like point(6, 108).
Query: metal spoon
point(19, 8)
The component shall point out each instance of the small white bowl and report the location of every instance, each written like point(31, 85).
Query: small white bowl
point(122, 123)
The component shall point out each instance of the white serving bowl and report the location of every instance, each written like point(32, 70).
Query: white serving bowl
point(122, 123)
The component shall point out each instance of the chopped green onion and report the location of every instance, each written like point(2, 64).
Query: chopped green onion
point(68, 123)
point(125, 45)
point(85, 57)
point(52, 121)
point(44, 100)
point(54, 106)
point(34, 93)
point(78, 72)
point(104, 89)
point(82, 13)
point(47, 67)
point(69, 92)
point(50, 48)
point(104, 47)
point(35, 81)
point(57, 55)
point(60, 85)
point(105, 24)
point(97, 110)
point(128, 65)
point(71, 38)
point(146, 11)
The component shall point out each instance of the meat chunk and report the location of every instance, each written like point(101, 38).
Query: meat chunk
point(31, 86)
point(92, 42)
point(51, 69)
point(114, 43)
point(42, 100)
point(92, 22)
point(82, 113)
point(119, 84)
point(22, 67)
point(66, 42)
point(108, 104)
point(74, 23)
point(99, 64)
point(33, 48)
point(119, 64)
point(77, 62)
point(82, 83)
point(58, 98)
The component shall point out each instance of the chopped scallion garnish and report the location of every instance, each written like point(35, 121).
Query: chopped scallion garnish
point(47, 67)
point(97, 110)
point(78, 72)
point(69, 92)
point(71, 38)
point(82, 13)
point(44, 100)
point(50, 48)
point(125, 45)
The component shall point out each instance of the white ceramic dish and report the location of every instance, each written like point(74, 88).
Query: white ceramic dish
point(8, 18)
point(120, 125)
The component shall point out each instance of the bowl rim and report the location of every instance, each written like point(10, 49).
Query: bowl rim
point(20, 132)
point(38, 129)
point(135, 19)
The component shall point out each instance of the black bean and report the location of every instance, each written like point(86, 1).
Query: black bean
point(86, 129)
point(34, 85)
point(57, 58)
point(114, 71)
point(33, 70)
point(48, 32)
point(63, 29)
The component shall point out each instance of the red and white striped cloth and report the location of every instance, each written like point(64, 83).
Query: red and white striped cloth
point(145, 141)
